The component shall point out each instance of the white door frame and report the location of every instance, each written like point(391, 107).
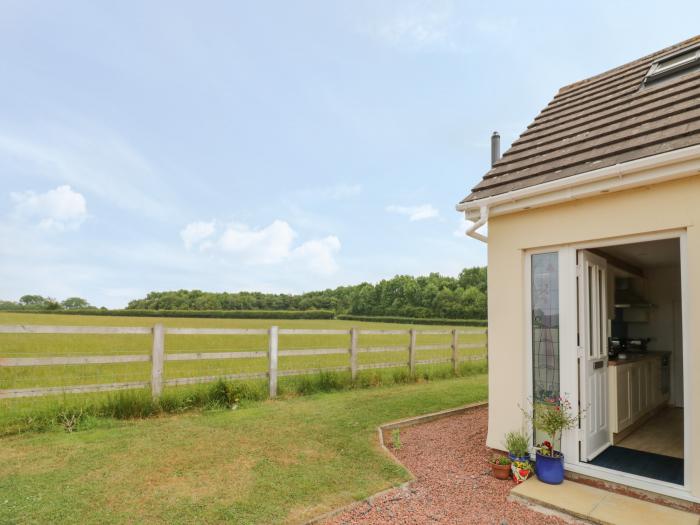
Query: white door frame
point(568, 360)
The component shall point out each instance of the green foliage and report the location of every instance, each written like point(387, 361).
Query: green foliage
point(75, 303)
point(128, 404)
point(34, 301)
point(211, 314)
point(73, 414)
point(282, 462)
point(553, 416)
point(499, 459)
point(517, 443)
point(39, 303)
point(396, 439)
point(432, 296)
point(412, 320)
point(403, 298)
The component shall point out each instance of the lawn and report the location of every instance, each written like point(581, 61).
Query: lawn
point(269, 462)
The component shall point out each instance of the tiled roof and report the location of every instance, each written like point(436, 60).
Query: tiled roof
point(599, 122)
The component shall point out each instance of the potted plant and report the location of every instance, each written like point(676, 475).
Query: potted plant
point(500, 467)
point(521, 470)
point(518, 446)
point(552, 416)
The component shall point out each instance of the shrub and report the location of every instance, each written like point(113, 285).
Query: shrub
point(213, 314)
point(413, 320)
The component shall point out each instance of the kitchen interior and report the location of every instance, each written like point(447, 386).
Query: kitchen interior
point(645, 359)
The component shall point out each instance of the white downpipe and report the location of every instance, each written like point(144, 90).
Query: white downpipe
point(483, 217)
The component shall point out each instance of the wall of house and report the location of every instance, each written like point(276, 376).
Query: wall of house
point(657, 208)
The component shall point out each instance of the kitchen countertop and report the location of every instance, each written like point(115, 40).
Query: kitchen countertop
point(633, 357)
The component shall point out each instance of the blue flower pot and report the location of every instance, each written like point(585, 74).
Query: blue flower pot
point(550, 469)
point(515, 458)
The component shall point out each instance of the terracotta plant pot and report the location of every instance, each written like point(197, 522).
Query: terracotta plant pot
point(500, 471)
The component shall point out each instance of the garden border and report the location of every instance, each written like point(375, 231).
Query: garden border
point(392, 425)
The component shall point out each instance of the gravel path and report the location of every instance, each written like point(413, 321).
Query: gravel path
point(453, 482)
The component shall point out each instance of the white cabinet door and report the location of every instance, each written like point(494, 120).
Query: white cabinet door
point(643, 387)
point(655, 382)
point(624, 412)
point(635, 396)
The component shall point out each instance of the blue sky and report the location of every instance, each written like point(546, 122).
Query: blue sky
point(274, 146)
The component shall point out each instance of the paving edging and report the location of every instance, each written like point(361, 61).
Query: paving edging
point(401, 423)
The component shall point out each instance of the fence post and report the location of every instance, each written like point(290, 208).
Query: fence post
point(454, 350)
point(412, 351)
point(353, 353)
point(157, 358)
point(272, 359)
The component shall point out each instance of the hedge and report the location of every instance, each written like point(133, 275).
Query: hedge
point(412, 320)
point(217, 314)
point(259, 314)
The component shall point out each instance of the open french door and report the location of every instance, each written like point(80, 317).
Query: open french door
point(593, 354)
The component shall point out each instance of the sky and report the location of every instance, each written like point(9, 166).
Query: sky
point(272, 146)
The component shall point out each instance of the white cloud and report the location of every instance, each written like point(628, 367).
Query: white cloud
point(319, 254)
point(96, 160)
point(422, 25)
point(59, 209)
point(270, 245)
point(415, 213)
point(196, 232)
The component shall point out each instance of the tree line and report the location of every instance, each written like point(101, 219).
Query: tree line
point(41, 303)
point(430, 296)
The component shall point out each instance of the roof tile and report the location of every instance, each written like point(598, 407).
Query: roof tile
point(598, 122)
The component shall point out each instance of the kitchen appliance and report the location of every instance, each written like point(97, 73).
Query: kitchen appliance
point(626, 345)
point(637, 344)
point(615, 346)
point(626, 296)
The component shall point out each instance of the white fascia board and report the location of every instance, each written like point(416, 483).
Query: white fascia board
point(663, 167)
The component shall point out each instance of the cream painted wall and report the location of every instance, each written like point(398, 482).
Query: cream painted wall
point(667, 206)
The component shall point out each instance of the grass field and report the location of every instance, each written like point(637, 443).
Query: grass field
point(44, 345)
point(270, 462)
point(41, 345)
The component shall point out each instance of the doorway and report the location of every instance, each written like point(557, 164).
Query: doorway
point(629, 356)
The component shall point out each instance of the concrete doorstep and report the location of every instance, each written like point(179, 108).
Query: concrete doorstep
point(593, 505)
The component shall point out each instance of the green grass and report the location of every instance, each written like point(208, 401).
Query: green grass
point(270, 462)
point(40, 410)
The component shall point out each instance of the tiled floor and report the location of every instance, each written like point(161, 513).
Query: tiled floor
point(599, 506)
point(662, 434)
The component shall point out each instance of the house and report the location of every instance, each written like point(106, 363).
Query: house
point(593, 232)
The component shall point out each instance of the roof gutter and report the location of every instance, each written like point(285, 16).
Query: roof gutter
point(472, 230)
point(636, 173)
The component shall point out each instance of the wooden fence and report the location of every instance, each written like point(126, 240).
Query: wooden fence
point(158, 355)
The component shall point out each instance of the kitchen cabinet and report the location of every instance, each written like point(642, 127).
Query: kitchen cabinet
point(634, 388)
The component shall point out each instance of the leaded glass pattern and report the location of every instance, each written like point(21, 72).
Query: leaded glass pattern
point(545, 326)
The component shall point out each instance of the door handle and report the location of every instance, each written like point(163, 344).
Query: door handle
point(598, 364)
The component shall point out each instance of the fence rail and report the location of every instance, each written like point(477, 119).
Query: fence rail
point(158, 355)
